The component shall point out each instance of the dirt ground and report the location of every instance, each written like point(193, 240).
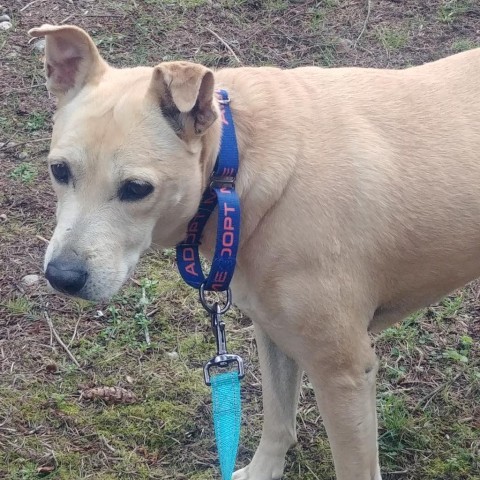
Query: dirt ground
point(152, 351)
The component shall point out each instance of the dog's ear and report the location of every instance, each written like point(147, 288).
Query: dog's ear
point(71, 58)
point(185, 92)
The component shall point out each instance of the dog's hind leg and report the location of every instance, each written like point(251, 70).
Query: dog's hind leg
point(281, 384)
point(344, 383)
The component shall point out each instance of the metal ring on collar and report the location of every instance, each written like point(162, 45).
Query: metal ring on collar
point(215, 308)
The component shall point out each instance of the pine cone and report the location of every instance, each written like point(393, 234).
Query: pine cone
point(109, 394)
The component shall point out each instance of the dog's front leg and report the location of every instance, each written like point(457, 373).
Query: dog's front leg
point(280, 385)
point(344, 384)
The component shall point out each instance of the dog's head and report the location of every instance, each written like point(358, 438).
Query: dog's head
point(129, 157)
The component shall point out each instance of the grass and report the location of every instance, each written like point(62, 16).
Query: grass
point(153, 337)
point(25, 172)
point(36, 121)
point(171, 392)
point(451, 10)
point(463, 45)
point(410, 425)
point(392, 38)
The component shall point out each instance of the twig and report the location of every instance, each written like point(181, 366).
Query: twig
point(365, 23)
point(104, 440)
point(10, 140)
point(105, 16)
point(311, 471)
point(67, 18)
point(74, 332)
point(25, 89)
point(153, 312)
point(228, 47)
point(435, 392)
point(42, 239)
point(145, 327)
point(60, 341)
point(30, 4)
point(36, 140)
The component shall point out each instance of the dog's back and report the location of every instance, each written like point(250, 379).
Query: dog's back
point(383, 165)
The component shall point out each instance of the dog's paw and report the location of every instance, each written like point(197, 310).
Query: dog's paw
point(244, 474)
point(250, 473)
point(241, 474)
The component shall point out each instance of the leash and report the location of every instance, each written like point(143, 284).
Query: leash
point(224, 371)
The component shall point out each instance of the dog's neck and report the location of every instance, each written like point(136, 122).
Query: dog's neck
point(260, 182)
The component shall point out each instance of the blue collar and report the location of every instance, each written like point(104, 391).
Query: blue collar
point(221, 192)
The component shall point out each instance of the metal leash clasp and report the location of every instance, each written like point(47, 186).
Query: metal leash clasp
point(223, 359)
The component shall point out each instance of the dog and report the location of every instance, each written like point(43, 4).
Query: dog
point(360, 196)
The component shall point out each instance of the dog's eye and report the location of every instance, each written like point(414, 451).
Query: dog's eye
point(134, 190)
point(61, 172)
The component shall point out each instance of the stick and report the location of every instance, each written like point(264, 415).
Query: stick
point(36, 140)
point(311, 471)
point(228, 47)
point(42, 239)
point(67, 18)
point(26, 89)
point(153, 312)
point(74, 332)
point(30, 4)
point(435, 391)
point(60, 341)
point(105, 16)
point(369, 9)
point(144, 302)
point(104, 440)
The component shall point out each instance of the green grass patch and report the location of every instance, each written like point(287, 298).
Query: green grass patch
point(463, 45)
point(392, 38)
point(36, 121)
point(26, 172)
point(450, 10)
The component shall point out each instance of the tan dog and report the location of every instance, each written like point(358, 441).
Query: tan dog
point(360, 192)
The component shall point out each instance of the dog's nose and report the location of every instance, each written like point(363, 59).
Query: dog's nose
point(66, 277)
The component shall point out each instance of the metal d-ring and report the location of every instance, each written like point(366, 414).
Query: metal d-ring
point(214, 308)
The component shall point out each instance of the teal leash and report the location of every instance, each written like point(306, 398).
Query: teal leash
point(227, 414)
point(223, 373)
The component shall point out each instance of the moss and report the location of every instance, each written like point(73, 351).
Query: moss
point(151, 423)
point(68, 464)
point(450, 467)
point(196, 348)
point(69, 408)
